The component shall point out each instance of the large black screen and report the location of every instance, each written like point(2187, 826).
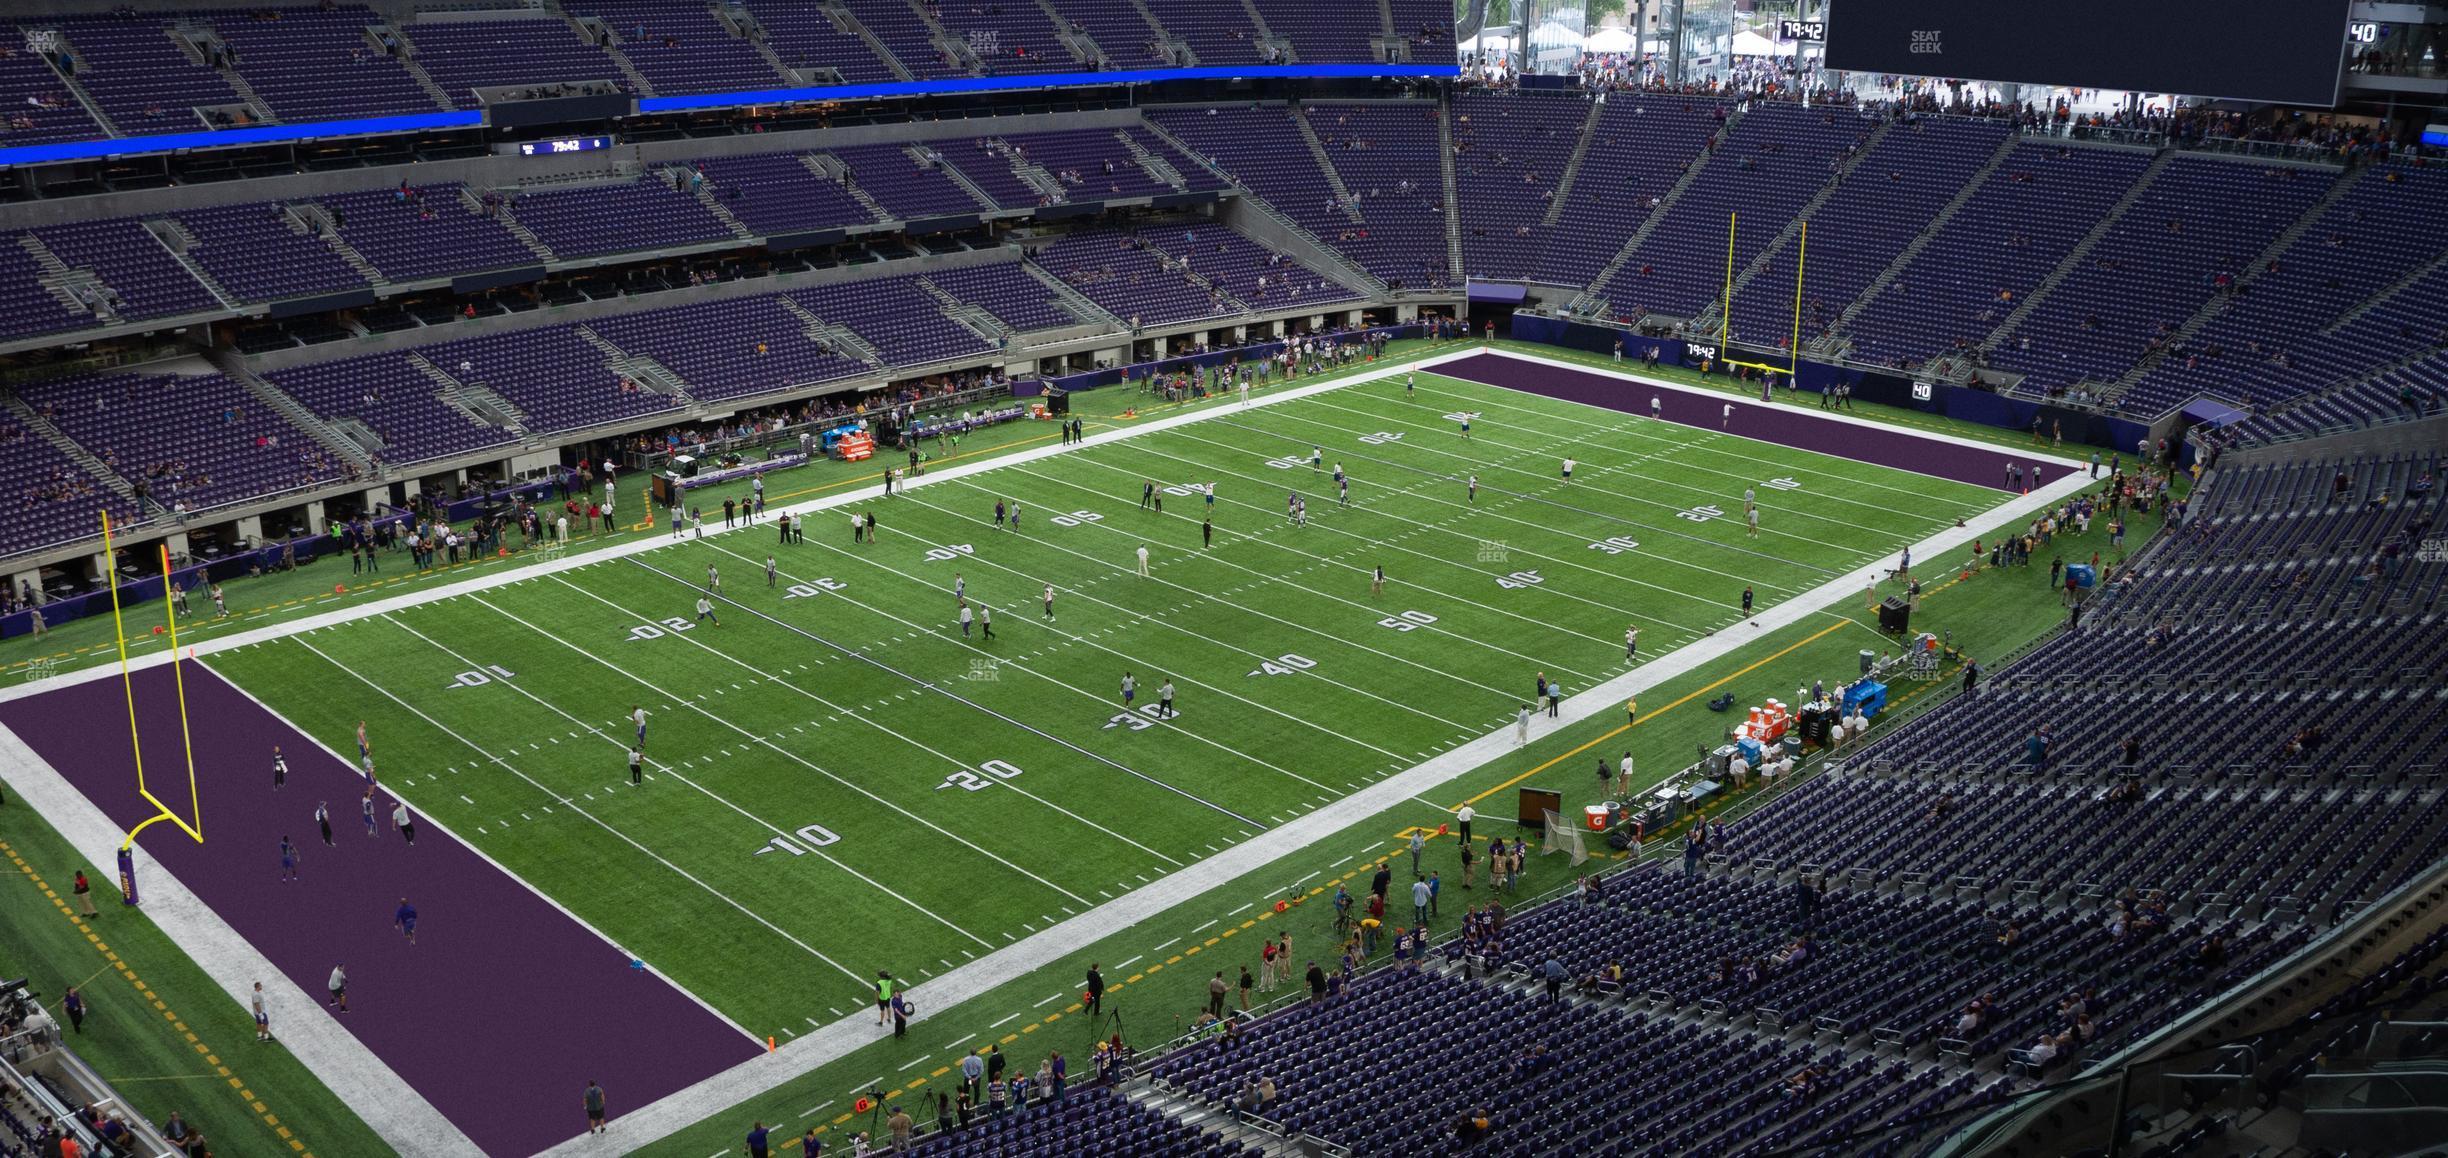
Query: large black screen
point(2286, 51)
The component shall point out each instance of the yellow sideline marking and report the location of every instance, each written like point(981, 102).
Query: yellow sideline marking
point(245, 1092)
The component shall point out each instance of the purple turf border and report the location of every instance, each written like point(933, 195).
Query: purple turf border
point(1782, 424)
point(506, 1006)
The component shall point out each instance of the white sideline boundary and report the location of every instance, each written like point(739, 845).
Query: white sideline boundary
point(404, 1118)
point(833, 1041)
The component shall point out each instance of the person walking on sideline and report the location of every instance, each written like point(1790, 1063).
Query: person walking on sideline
point(84, 891)
point(1521, 727)
point(404, 822)
point(594, 1099)
point(404, 919)
point(1417, 845)
point(263, 1015)
point(338, 987)
point(323, 821)
point(288, 858)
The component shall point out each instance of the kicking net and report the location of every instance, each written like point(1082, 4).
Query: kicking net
point(1562, 837)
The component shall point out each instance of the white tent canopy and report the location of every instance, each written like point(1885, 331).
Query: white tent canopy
point(1747, 43)
point(1554, 35)
point(1489, 40)
point(1609, 40)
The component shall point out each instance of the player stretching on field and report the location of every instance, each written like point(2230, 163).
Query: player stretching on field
point(705, 611)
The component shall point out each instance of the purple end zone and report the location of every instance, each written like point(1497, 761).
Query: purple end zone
point(503, 1009)
point(1781, 424)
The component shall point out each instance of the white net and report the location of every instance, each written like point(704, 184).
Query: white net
point(1562, 837)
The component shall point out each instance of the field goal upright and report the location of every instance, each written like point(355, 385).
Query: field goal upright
point(193, 825)
point(1725, 308)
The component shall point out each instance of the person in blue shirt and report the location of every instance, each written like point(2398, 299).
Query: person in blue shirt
point(756, 1143)
point(405, 918)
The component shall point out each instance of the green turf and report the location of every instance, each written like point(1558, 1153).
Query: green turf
point(858, 707)
point(839, 722)
point(272, 598)
point(145, 1000)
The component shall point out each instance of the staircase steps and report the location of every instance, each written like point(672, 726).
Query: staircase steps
point(407, 58)
point(1564, 184)
point(678, 178)
point(2417, 276)
point(177, 240)
point(233, 368)
point(1709, 319)
point(1265, 36)
point(598, 32)
point(101, 471)
point(841, 338)
point(918, 153)
point(526, 236)
point(192, 41)
point(312, 220)
point(1325, 257)
point(1334, 179)
point(1937, 226)
point(1156, 30)
point(744, 25)
point(956, 47)
point(1589, 302)
point(77, 291)
point(1036, 176)
point(646, 373)
point(1072, 300)
point(843, 20)
point(832, 169)
point(1155, 166)
point(2245, 277)
point(1083, 48)
point(93, 108)
point(2080, 255)
point(1454, 273)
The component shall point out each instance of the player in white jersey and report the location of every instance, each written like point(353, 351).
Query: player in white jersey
point(713, 579)
point(1049, 603)
point(705, 611)
point(637, 715)
point(965, 616)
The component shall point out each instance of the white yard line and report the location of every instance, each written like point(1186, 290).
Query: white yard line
point(1167, 894)
point(625, 838)
point(785, 753)
point(1025, 669)
point(377, 1093)
point(1385, 510)
point(1107, 525)
point(1155, 576)
point(870, 721)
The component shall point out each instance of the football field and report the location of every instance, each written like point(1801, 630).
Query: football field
point(837, 779)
